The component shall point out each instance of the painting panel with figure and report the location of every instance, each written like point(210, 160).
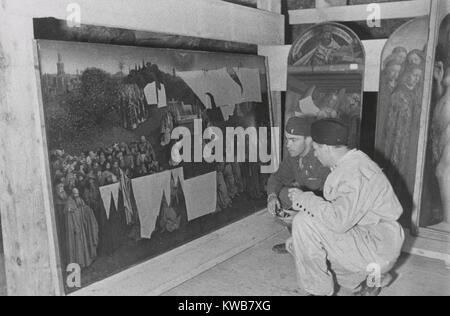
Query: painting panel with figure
point(325, 77)
point(399, 108)
point(435, 204)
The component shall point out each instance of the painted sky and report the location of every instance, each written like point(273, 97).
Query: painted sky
point(79, 56)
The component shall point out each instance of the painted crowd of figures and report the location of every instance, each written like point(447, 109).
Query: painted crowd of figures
point(84, 230)
point(83, 227)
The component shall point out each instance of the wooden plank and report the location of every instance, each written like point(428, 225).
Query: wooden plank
point(269, 5)
point(30, 245)
point(278, 60)
point(425, 247)
point(57, 30)
point(389, 10)
point(277, 122)
point(176, 267)
point(212, 19)
point(373, 49)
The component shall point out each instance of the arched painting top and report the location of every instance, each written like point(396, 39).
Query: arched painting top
point(326, 77)
point(313, 47)
point(412, 35)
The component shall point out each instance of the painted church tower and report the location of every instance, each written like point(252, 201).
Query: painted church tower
point(60, 66)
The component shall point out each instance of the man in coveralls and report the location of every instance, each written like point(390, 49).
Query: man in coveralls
point(352, 230)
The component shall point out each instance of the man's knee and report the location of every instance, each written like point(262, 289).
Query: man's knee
point(302, 223)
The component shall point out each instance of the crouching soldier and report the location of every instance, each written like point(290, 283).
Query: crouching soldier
point(300, 169)
point(353, 229)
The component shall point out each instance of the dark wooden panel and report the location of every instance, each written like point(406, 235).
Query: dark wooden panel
point(53, 29)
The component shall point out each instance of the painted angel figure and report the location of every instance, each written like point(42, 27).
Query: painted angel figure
point(402, 123)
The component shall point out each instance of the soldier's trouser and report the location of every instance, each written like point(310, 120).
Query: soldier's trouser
point(351, 255)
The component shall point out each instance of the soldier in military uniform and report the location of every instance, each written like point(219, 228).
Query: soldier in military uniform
point(300, 169)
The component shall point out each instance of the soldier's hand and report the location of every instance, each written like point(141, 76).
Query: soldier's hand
point(272, 205)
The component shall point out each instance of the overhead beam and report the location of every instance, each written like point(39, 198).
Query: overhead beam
point(211, 19)
point(389, 10)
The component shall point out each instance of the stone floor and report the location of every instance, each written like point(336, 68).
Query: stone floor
point(260, 272)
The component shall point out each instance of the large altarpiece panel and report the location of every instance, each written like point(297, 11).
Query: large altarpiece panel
point(412, 133)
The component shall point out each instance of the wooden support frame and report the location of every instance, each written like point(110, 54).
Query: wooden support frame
point(26, 207)
point(389, 10)
point(28, 224)
point(211, 19)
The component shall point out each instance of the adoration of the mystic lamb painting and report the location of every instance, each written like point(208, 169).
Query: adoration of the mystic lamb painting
point(400, 107)
point(109, 115)
point(325, 76)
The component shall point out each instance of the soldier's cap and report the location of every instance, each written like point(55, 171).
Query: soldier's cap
point(299, 126)
point(330, 132)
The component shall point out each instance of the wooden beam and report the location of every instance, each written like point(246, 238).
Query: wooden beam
point(269, 5)
point(277, 57)
point(373, 49)
point(211, 19)
point(273, 74)
point(389, 10)
point(28, 224)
